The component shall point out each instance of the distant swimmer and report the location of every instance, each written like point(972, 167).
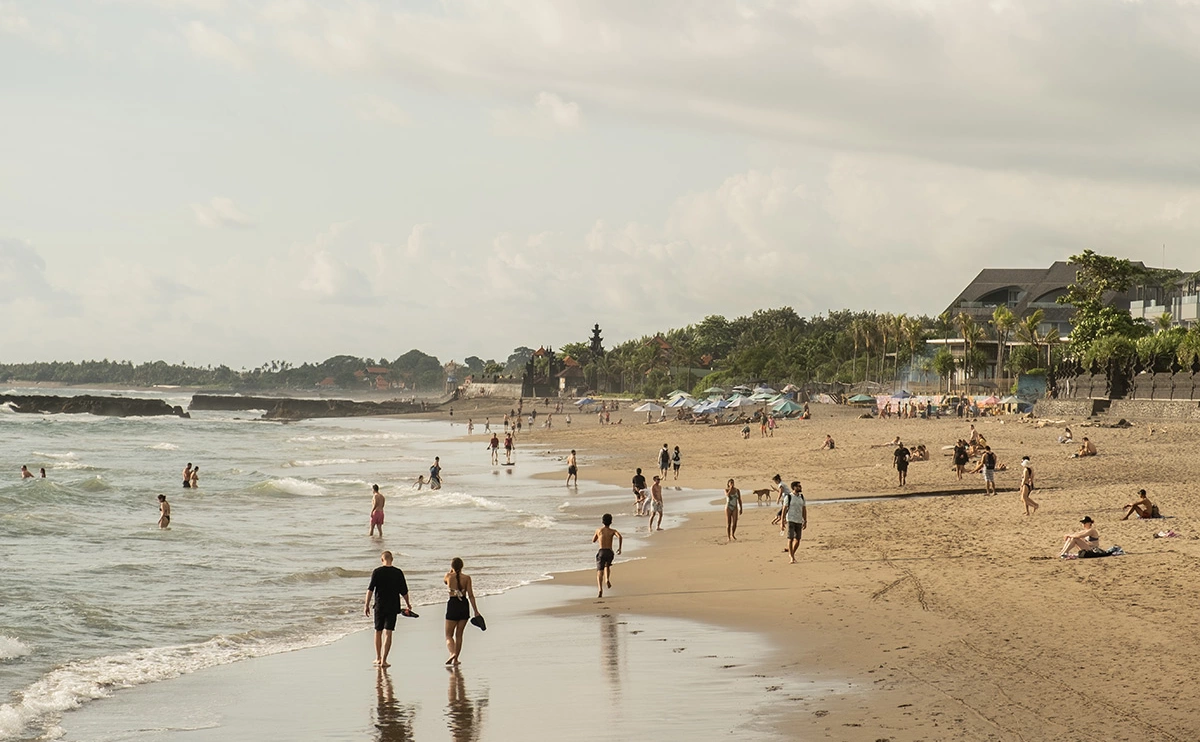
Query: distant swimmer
point(420, 483)
point(43, 472)
point(25, 473)
point(164, 512)
point(604, 557)
point(377, 501)
point(435, 474)
point(187, 476)
point(572, 469)
point(195, 477)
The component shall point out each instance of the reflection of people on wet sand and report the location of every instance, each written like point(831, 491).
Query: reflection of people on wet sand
point(1143, 507)
point(1085, 540)
point(604, 557)
point(464, 718)
point(393, 720)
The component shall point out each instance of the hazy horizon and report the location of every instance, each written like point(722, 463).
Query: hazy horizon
point(225, 181)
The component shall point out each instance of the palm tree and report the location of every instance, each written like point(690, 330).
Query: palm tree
point(884, 325)
point(898, 333)
point(1163, 321)
point(914, 333)
point(1027, 331)
point(856, 331)
point(1002, 322)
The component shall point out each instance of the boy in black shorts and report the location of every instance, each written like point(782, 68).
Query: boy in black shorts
point(604, 557)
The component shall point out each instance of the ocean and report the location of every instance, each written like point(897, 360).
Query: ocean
point(269, 554)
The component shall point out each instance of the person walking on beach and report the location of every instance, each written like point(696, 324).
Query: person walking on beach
point(733, 508)
point(604, 557)
point(459, 608)
point(639, 492)
point(508, 448)
point(795, 512)
point(494, 447)
point(377, 502)
point(664, 461)
point(900, 459)
point(783, 494)
point(572, 469)
point(656, 503)
point(960, 458)
point(675, 461)
point(164, 513)
point(435, 474)
point(1027, 486)
point(987, 464)
point(388, 587)
point(187, 476)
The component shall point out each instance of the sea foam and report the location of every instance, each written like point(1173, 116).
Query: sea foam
point(11, 648)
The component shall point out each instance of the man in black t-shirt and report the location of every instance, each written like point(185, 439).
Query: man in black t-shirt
point(900, 461)
point(388, 587)
point(639, 492)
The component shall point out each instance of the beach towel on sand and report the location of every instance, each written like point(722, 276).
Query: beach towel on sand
point(1110, 551)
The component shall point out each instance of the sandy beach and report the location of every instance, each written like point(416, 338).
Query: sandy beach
point(941, 615)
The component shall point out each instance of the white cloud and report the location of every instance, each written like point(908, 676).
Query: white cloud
point(382, 110)
point(23, 276)
point(549, 115)
point(15, 23)
point(220, 212)
point(212, 44)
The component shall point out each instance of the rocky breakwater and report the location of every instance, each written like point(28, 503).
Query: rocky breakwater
point(300, 409)
point(91, 405)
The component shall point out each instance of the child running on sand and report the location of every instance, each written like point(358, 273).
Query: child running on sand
point(604, 557)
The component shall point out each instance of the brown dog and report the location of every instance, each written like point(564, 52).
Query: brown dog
point(760, 495)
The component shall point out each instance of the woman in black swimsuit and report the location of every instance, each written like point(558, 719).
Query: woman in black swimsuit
point(459, 607)
point(1087, 539)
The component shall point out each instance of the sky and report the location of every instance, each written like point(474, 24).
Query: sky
point(227, 181)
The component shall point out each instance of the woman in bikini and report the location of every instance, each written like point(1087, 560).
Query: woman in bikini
point(733, 508)
point(459, 607)
point(1086, 540)
point(1027, 486)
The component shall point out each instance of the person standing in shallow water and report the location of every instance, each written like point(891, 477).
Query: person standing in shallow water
point(572, 469)
point(377, 503)
point(164, 512)
point(187, 476)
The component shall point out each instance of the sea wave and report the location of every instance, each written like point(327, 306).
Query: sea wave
point(320, 575)
point(291, 486)
point(443, 499)
point(95, 484)
point(58, 456)
point(164, 447)
point(538, 521)
point(76, 683)
point(324, 462)
point(73, 465)
point(11, 647)
point(352, 437)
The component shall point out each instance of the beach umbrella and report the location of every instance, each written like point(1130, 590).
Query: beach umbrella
point(764, 390)
point(761, 396)
point(682, 402)
point(678, 393)
point(861, 399)
point(649, 407)
point(742, 389)
point(786, 407)
point(714, 390)
point(989, 402)
point(742, 403)
point(585, 401)
point(1011, 399)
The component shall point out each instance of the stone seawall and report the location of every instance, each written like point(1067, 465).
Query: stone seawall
point(1156, 409)
point(1060, 409)
point(48, 404)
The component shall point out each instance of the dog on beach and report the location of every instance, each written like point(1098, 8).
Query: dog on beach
point(763, 494)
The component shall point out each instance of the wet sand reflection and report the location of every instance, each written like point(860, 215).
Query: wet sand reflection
point(463, 717)
point(393, 720)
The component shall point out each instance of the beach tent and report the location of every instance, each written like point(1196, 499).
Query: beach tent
point(649, 407)
point(714, 390)
point(786, 407)
point(681, 402)
point(989, 402)
point(861, 399)
point(585, 401)
point(761, 396)
point(678, 393)
point(742, 403)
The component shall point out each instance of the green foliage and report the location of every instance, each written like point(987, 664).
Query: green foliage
point(1022, 358)
point(943, 363)
point(1096, 276)
point(1188, 351)
point(1157, 352)
point(1110, 350)
point(517, 360)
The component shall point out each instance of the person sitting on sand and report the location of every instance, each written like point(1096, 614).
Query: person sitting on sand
point(1143, 507)
point(1084, 540)
point(1066, 436)
point(1087, 449)
point(920, 454)
point(828, 445)
point(746, 431)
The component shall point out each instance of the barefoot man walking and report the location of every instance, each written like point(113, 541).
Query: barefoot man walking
point(388, 587)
